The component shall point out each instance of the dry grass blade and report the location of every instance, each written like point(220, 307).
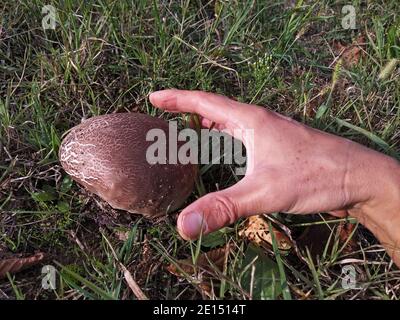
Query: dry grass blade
point(132, 284)
point(14, 265)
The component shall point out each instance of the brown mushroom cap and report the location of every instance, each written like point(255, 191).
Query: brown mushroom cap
point(107, 155)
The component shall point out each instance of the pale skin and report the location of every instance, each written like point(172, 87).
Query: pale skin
point(296, 169)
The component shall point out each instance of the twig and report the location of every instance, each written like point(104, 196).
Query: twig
point(139, 294)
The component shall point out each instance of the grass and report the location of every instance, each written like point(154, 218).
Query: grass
point(106, 56)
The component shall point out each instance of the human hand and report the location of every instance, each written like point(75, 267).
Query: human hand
point(295, 169)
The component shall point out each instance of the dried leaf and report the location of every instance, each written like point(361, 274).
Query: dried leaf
point(257, 231)
point(205, 262)
point(206, 265)
point(14, 265)
point(345, 231)
point(350, 54)
point(122, 235)
point(316, 237)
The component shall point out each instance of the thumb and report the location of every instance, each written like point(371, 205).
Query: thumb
point(216, 210)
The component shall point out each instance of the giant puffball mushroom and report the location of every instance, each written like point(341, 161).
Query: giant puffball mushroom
point(107, 155)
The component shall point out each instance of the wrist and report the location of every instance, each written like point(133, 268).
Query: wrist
point(380, 211)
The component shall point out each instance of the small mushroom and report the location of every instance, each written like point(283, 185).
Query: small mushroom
point(107, 155)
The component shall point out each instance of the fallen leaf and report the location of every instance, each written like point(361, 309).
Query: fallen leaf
point(122, 235)
point(316, 237)
point(14, 265)
point(206, 265)
point(205, 262)
point(257, 231)
point(346, 236)
point(350, 54)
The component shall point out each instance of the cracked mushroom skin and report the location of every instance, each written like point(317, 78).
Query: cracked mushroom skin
point(107, 155)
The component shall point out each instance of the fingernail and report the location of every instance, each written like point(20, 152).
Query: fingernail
point(154, 95)
point(193, 223)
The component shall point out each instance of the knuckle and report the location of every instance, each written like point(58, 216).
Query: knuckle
point(259, 115)
point(201, 95)
point(199, 98)
point(226, 207)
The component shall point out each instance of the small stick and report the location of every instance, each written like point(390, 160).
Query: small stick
point(139, 294)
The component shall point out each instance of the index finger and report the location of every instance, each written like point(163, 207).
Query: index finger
point(216, 108)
